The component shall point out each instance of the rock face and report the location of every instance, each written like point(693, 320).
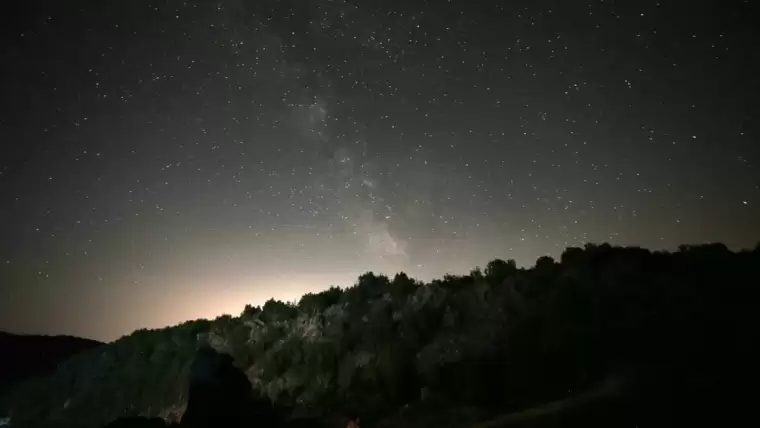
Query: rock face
point(220, 396)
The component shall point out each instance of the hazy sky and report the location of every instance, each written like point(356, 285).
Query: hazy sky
point(168, 160)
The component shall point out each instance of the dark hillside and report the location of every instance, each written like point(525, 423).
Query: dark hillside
point(26, 356)
point(604, 336)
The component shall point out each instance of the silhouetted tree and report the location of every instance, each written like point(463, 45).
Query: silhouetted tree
point(498, 270)
point(318, 302)
point(275, 310)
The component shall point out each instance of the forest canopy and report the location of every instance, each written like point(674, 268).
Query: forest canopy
point(677, 329)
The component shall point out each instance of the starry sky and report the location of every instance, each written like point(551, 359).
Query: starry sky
point(169, 160)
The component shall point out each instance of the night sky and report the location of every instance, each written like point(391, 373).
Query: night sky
point(170, 160)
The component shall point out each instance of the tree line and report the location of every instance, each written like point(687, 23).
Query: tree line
point(676, 329)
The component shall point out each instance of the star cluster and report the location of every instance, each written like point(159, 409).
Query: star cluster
point(175, 159)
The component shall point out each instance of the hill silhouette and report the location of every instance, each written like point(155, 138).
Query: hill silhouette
point(25, 355)
point(604, 336)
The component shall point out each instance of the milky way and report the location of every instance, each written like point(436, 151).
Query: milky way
point(170, 160)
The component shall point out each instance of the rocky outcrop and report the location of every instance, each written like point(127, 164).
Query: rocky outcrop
point(220, 396)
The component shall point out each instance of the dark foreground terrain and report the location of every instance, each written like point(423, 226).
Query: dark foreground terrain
point(604, 336)
point(27, 356)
